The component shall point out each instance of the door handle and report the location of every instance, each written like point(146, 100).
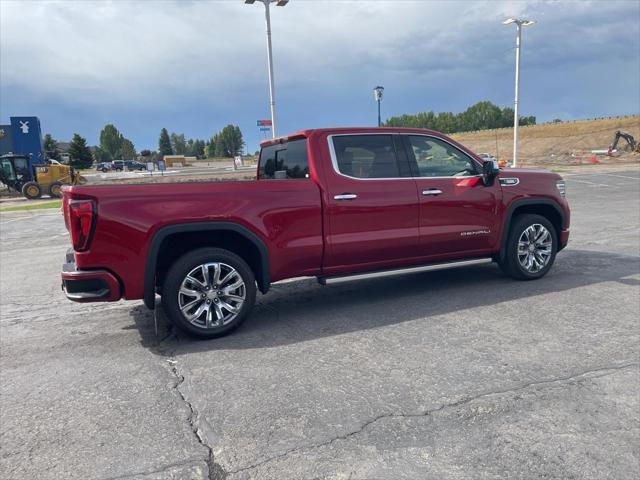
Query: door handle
point(432, 191)
point(345, 196)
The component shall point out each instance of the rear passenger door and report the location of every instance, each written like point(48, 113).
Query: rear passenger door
point(372, 203)
point(458, 212)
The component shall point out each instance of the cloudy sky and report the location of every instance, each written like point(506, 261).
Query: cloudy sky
point(195, 66)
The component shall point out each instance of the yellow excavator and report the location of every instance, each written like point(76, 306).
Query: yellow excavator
point(632, 145)
point(38, 179)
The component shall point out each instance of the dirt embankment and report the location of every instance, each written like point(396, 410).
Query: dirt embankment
point(565, 143)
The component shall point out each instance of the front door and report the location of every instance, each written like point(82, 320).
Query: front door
point(372, 203)
point(458, 212)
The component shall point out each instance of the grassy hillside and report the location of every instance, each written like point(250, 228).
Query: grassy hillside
point(555, 143)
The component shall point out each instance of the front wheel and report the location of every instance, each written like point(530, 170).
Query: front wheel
point(531, 248)
point(32, 190)
point(209, 292)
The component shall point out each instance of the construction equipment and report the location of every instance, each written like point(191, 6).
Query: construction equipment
point(32, 181)
point(632, 145)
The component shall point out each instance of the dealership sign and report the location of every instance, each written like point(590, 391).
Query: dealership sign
point(264, 123)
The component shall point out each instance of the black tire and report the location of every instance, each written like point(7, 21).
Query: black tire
point(512, 265)
point(32, 190)
point(54, 190)
point(178, 273)
point(118, 169)
point(105, 170)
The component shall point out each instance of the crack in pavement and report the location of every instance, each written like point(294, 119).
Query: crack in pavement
point(186, 463)
point(586, 374)
point(216, 472)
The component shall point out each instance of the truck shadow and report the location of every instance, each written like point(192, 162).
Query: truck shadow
point(300, 311)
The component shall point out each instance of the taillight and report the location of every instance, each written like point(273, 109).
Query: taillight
point(81, 220)
point(65, 211)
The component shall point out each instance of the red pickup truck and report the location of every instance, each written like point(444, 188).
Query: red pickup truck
point(327, 203)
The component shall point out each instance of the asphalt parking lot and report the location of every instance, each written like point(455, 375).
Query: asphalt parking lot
point(453, 374)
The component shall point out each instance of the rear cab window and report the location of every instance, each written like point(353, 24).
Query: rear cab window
point(284, 161)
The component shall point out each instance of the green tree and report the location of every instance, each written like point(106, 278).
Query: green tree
point(481, 116)
point(232, 142)
point(101, 155)
point(178, 144)
point(211, 147)
point(530, 120)
point(164, 143)
point(219, 143)
point(198, 148)
point(189, 150)
point(506, 117)
point(111, 141)
point(51, 147)
point(127, 150)
point(79, 153)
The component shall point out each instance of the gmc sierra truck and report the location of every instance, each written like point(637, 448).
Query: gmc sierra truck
point(326, 203)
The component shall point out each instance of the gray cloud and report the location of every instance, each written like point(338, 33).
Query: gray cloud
point(172, 58)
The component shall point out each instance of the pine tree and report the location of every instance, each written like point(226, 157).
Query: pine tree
point(164, 143)
point(79, 153)
point(51, 147)
point(211, 147)
point(127, 150)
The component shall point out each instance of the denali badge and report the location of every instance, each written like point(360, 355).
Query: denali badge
point(475, 232)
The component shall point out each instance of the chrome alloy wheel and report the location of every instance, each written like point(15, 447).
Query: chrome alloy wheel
point(211, 295)
point(535, 246)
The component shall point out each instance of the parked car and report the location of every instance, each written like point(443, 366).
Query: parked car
point(104, 166)
point(118, 165)
point(487, 156)
point(134, 165)
point(328, 203)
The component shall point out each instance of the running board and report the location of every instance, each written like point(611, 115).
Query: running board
point(402, 271)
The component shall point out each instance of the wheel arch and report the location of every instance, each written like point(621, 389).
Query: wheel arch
point(539, 206)
point(171, 242)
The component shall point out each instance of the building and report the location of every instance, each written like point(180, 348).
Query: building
point(23, 136)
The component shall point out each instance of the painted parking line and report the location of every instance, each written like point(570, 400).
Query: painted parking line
point(3, 216)
point(13, 220)
point(593, 184)
point(621, 176)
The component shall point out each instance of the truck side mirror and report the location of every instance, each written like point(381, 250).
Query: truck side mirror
point(490, 170)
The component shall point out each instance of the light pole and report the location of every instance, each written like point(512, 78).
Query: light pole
point(272, 97)
point(519, 24)
point(377, 94)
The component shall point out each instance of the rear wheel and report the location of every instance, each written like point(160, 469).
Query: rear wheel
point(54, 190)
point(531, 248)
point(209, 292)
point(31, 190)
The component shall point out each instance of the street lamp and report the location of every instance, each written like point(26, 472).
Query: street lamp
point(272, 98)
point(519, 24)
point(377, 94)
